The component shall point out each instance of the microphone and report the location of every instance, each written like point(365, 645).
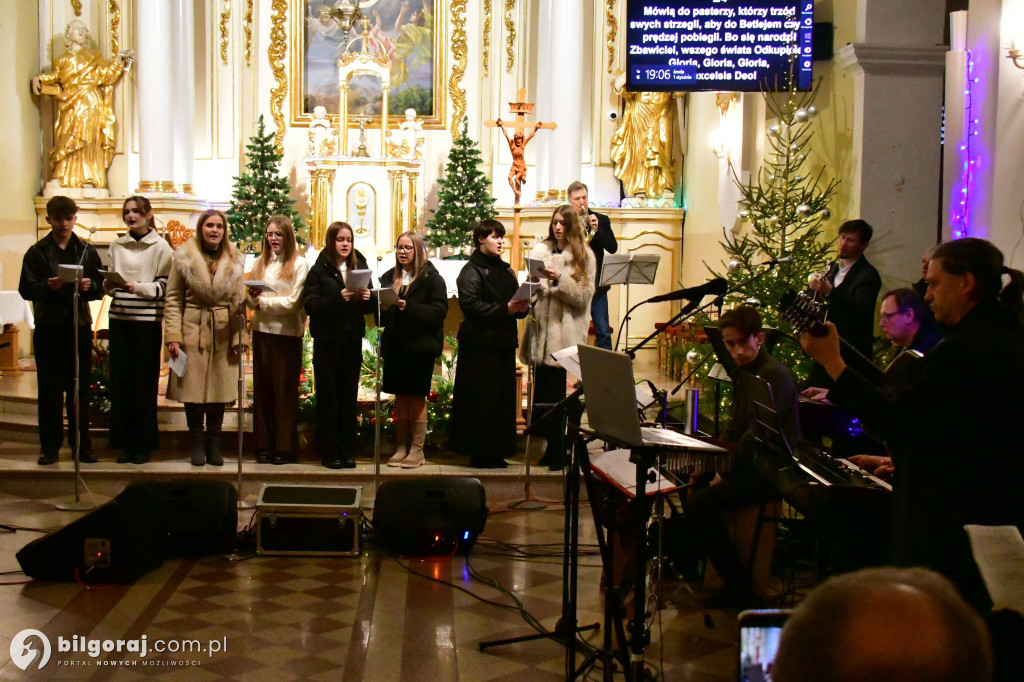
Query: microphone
point(715, 287)
point(777, 261)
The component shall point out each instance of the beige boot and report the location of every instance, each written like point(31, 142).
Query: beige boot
point(402, 436)
point(416, 458)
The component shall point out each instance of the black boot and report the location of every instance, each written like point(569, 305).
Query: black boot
point(214, 422)
point(194, 419)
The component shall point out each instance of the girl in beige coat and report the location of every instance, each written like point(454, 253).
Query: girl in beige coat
point(561, 315)
point(200, 319)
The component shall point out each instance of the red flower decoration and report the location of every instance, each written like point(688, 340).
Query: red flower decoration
point(433, 396)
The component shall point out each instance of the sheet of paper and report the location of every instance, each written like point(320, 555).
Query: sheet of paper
point(69, 273)
point(260, 285)
point(999, 553)
point(525, 291)
point(386, 295)
point(614, 465)
point(357, 279)
point(178, 364)
point(569, 359)
point(534, 266)
point(114, 277)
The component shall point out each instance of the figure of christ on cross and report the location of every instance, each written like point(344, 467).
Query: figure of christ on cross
point(517, 143)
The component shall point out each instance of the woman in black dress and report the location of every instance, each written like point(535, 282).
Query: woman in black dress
point(412, 339)
point(483, 425)
point(337, 325)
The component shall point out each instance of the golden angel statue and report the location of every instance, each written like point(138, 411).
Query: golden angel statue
point(642, 144)
point(84, 134)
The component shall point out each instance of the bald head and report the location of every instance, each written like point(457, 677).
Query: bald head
point(884, 624)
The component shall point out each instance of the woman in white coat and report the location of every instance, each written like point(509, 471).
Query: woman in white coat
point(561, 316)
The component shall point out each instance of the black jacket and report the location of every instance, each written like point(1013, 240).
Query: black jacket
point(419, 329)
point(603, 240)
point(486, 284)
point(330, 316)
point(955, 437)
point(851, 305)
point(53, 308)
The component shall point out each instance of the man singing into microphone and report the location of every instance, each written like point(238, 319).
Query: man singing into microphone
point(602, 239)
point(851, 288)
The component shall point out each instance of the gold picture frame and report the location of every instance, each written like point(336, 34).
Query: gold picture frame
point(314, 43)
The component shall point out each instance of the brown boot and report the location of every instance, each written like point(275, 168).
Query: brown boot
point(415, 457)
point(402, 436)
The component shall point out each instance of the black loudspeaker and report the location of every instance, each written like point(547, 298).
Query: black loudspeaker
point(430, 516)
point(197, 517)
point(117, 543)
point(132, 534)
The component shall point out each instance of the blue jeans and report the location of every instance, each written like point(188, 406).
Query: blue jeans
point(599, 316)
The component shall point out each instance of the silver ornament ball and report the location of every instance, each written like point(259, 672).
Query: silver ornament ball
point(803, 210)
point(693, 357)
point(744, 214)
point(812, 111)
point(800, 115)
point(825, 214)
point(774, 129)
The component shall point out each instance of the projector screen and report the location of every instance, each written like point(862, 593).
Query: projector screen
point(727, 45)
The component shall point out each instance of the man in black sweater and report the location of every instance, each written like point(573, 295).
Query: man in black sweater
point(749, 480)
point(52, 342)
point(602, 239)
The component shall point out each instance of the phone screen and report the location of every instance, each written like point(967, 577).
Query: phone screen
point(759, 640)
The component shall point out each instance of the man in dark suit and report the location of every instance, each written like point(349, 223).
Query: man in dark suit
point(602, 239)
point(851, 288)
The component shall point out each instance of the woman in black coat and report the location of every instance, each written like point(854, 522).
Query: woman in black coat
point(337, 325)
point(412, 339)
point(485, 401)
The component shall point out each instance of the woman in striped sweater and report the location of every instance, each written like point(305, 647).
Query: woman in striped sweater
point(143, 258)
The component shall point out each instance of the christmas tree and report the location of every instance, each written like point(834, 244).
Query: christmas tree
point(783, 208)
point(464, 197)
point(260, 192)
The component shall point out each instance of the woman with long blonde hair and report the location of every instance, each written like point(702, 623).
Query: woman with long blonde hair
point(561, 314)
point(204, 293)
point(277, 329)
point(412, 340)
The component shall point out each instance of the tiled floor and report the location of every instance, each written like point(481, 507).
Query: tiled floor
point(373, 617)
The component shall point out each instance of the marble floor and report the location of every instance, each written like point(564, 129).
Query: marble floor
point(371, 617)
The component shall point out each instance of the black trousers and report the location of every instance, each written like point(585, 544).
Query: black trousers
point(276, 363)
point(336, 366)
point(134, 372)
point(740, 489)
point(548, 389)
point(55, 373)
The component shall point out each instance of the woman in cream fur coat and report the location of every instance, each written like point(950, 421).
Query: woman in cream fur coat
point(561, 316)
point(200, 318)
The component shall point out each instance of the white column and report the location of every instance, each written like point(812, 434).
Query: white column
point(182, 85)
point(544, 97)
point(155, 94)
point(566, 66)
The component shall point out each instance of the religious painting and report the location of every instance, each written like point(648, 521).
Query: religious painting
point(410, 32)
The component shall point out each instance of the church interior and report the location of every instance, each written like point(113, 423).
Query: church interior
point(911, 123)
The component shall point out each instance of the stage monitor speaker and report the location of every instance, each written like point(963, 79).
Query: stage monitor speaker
point(117, 543)
point(198, 517)
point(430, 516)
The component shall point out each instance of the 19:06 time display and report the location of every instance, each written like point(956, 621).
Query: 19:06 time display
point(657, 74)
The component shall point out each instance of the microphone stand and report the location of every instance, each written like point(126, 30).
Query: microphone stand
point(242, 504)
point(376, 385)
point(78, 504)
point(529, 502)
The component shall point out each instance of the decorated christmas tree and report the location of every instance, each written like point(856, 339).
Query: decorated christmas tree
point(783, 208)
point(464, 197)
point(260, 192)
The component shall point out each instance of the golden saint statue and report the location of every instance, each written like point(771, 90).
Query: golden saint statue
point(84, 134)
point(642, 144)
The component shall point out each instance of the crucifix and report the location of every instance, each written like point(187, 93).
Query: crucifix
point(517, 145)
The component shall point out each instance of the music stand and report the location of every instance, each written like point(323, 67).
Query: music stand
point(628, 268)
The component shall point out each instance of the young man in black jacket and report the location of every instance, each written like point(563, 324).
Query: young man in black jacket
point(51, 299)
point(602, 239)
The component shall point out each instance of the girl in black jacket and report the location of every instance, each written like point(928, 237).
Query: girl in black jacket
point(412, 339)
point(485, 400)
point(336, 324)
